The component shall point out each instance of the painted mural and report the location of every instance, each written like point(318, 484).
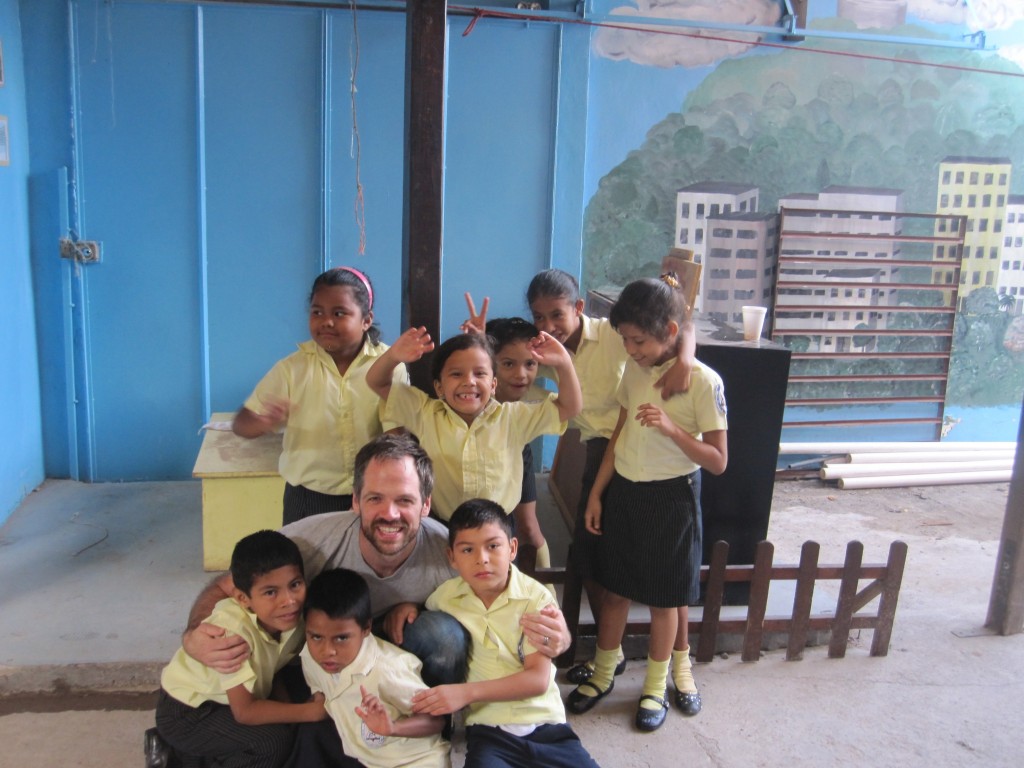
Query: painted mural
point(833, 124)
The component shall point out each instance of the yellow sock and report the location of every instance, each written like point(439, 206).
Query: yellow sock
point(543, 556)
point(682, 671)
point(654, 682)
point(604, 669)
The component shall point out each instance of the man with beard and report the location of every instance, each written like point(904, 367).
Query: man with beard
point(389, 539)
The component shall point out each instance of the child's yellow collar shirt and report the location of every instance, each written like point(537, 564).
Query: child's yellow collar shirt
point(642, 453)
point(479, 460)
point(499, 646)
point(598, 360)
point(192, 683)
point(393, 676)
point(332, 417)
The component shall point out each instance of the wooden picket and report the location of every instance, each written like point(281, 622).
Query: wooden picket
point(885, 580)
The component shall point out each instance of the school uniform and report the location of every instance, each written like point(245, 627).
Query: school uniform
point(651, 508)
point(479, 460)
point(599, 360)
point(331, 418)
point(527, 732)
point(393, 676)
point(193, 714)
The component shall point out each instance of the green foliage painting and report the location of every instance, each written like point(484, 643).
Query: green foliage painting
point(795, 121)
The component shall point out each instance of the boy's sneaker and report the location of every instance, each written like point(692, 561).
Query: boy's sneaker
point(158, 754)
point(583, 672)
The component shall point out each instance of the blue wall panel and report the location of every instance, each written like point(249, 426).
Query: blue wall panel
point(138, 196)
point(263, 86)
point(498, 160)
point(379, 53)
point(21, 444)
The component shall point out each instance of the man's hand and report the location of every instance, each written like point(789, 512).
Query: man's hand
point(215, 648)
point(547, 623)
point(397, 618)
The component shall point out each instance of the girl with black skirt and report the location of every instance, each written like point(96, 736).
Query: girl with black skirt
point(645, 504)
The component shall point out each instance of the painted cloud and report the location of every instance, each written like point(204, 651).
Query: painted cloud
point(976, 14)
point(667, 50)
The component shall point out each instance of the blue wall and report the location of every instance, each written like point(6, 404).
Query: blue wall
point(21, 444)
point(212, 153)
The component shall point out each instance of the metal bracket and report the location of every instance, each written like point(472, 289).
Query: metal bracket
point(85, 251)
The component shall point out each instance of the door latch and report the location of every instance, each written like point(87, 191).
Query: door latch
point(85, 251)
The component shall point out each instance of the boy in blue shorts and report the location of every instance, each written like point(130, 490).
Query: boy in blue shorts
point(231, 719)
point(368, 683)
point(515, 716)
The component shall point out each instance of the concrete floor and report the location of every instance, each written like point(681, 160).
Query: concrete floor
point(98, 580)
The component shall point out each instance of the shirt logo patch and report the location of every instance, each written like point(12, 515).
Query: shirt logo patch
point(370, 739)
point(720, 398)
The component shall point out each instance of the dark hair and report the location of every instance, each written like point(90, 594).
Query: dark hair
point(555, 283)
point(503, 331)
point(344, 276)
point(649, 304)
point(390, 447)
point(260, 553)
point(457, 344)
point(341, 594)
point(476, 513)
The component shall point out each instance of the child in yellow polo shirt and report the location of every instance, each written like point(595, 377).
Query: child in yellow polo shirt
point(644, 507)
point(598, 358)
point(231, 718)
point(475, 442)
point(319, 396)
point(368, 683)
point(515, 714)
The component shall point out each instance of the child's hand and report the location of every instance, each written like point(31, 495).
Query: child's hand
point(412, 345)
point(440, 700)
point(592, 516)
point(676, 379)
point(476, 323)
point(372, 712)
point(318, 704)
point(275, 412)
point(546, 350)
point(652, 416)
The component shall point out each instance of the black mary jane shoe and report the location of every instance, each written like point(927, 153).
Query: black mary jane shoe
point(583, 672)
point(688, 702)
point(651, 719)
point(578, 703)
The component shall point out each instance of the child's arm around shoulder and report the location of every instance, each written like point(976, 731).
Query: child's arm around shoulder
point(532, 681)
point(408, 348)
point(548, 351)
point(677, 378)
point(248, 710)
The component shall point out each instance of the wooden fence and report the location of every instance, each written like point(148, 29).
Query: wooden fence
point(885, 579)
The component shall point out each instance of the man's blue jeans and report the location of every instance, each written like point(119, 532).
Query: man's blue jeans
point(440, 642)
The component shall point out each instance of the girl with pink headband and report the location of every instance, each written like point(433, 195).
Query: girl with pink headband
point(319, 396)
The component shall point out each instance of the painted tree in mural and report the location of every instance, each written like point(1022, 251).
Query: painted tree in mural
point(800, 121)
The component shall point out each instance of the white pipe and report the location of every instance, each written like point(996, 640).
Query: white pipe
point(842, 471)
point(820, 449)
point(951, 478)
point(924, 456)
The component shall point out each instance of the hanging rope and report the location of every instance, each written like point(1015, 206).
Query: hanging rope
point(355, 150)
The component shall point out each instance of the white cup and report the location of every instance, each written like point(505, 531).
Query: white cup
point(753, 322)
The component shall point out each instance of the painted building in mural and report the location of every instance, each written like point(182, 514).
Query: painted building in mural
point(978, 188)
point(1011, 272)
point(739, 264)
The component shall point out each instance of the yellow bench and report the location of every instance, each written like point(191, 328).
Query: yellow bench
point(241, 489)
